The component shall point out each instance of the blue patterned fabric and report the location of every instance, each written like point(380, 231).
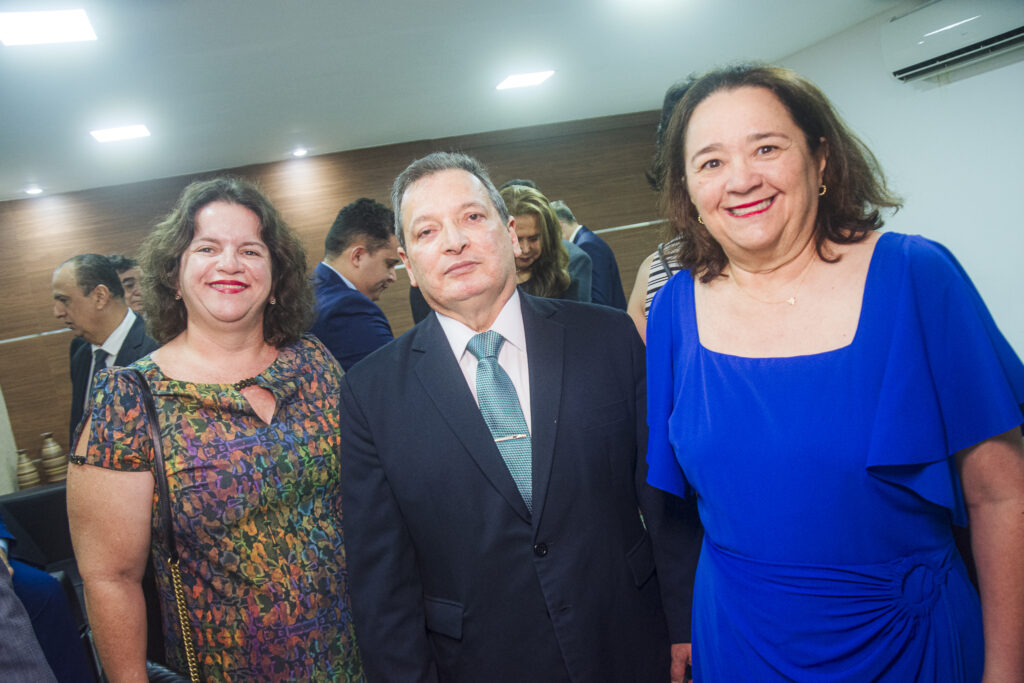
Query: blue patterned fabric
point(502, 412)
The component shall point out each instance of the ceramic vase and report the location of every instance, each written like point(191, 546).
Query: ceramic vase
point(28, 474)
point(52, 459)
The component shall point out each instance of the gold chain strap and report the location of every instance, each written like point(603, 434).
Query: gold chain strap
point(183, 620)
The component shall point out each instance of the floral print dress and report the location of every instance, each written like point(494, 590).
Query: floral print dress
point(257, 514)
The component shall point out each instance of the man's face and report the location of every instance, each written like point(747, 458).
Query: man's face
point(457, 249)
point(376, 269)
point(76, 310)
point(131, 280)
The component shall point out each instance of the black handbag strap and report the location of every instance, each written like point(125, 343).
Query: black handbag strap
point(159, 473)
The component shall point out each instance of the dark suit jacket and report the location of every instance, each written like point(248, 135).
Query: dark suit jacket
point(580, 274)
point(606, 284)
point(136, 345)
point(451, 578)
point(347, 322)
point(21, 658)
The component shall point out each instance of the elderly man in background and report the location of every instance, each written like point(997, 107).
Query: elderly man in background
point(360, 255)
point(130, 274)
point(89, 299)
point(494, 470)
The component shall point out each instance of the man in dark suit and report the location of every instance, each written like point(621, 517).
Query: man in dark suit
point(492, 507)
point(21, 658)
point(88, 298)
point(49, 614)
point(360, 255)
point(606, 283)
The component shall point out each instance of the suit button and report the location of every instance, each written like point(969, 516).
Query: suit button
point(540, 550)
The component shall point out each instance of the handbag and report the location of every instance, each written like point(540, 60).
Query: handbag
point(155, 671)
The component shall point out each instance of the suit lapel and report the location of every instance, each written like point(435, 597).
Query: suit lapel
point(442, 379)
point(128, 352)
point(545, 347)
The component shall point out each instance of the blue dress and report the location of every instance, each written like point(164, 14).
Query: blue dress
point(826, 484)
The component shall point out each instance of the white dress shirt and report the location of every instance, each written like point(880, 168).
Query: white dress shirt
point(112, 346)
point(512, 356)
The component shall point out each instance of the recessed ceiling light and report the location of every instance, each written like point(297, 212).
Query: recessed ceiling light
point(35, 28)
point(122, 133)
point(33, 189)
point(300, 152)
point(524, 80)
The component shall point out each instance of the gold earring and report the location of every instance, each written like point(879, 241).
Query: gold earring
point(700, 220)
point(822, 190)
point(177, 296)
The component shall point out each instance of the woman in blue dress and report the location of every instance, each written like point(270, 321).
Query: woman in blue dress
point(836, 399)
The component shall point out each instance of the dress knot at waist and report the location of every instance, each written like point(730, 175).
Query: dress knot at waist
point(910, 584)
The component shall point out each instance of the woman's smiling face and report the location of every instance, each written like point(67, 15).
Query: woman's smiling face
point(225, 274)
point(750, 173)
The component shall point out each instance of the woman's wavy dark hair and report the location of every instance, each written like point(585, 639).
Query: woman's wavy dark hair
point(857, 190)
point(656, 173)
point(549, 275)
point(161, 254)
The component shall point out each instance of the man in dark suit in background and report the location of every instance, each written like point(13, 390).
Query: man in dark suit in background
point(88, 298)
point(360, 255)
point(606, 283)
point(21, 658)
point(49, 614)
point(493, 468)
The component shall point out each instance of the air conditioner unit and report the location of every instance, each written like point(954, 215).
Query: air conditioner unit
point(945, 34)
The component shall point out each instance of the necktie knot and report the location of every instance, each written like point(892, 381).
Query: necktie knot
point(485, 345)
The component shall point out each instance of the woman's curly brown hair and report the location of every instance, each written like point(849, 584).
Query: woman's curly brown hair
point(167, 317)
point(857, 190)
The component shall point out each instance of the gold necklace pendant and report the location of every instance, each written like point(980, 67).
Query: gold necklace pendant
point(791, 299)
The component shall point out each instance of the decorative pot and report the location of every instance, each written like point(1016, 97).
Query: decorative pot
point(28, 474)
point(52, 459)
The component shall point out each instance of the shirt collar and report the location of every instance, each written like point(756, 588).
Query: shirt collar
point(509, 324)
point(113, 343)
point(343, 278)
point(572, 238)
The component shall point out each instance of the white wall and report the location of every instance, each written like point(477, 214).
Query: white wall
point(954, 152)
point(8, 453)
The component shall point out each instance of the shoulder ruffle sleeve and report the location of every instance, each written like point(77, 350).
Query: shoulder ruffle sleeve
point(951, 380)
point(118, 432)
point(663, 357)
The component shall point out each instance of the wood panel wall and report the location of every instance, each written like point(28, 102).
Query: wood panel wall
point(596, 166)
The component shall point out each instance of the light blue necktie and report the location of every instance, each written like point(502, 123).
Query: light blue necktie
point(502, 412)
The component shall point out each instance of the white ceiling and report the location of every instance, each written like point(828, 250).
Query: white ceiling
point(225, 83)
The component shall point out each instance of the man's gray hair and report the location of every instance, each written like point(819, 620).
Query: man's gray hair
point(435, 163)
point(563, 212)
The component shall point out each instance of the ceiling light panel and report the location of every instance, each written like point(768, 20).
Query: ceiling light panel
point(36, 28)
point(122, 133)
point(525, 80)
